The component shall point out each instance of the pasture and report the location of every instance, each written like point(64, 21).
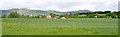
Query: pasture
point(76, 26)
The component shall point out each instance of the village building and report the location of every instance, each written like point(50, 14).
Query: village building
point(63, 18)
point(48, 17)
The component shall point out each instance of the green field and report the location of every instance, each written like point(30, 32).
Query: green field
point(76, 26)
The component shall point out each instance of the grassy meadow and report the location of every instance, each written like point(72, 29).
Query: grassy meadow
point(76, 26)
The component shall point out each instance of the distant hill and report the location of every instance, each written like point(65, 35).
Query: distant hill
point(24, 11)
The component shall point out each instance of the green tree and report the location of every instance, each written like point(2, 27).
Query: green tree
point(13, 15)
point(118, 15)
point(108, 14)
point(53, 15)
point(114, 15)
point(4, 16)
point(90, 15)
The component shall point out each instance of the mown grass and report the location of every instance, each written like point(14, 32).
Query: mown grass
point(83, 26)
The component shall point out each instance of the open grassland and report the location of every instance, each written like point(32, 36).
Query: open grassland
point(77, 26)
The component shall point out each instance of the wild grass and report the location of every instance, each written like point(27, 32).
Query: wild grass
point(83, 26)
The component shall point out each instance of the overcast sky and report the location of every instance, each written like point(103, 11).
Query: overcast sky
point(61, 5)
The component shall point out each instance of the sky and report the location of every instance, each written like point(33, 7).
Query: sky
point(61, 5)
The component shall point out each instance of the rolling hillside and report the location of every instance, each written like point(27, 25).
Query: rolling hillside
point(25, 11)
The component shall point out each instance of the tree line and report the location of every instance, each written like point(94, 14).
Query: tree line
point(96, 14)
